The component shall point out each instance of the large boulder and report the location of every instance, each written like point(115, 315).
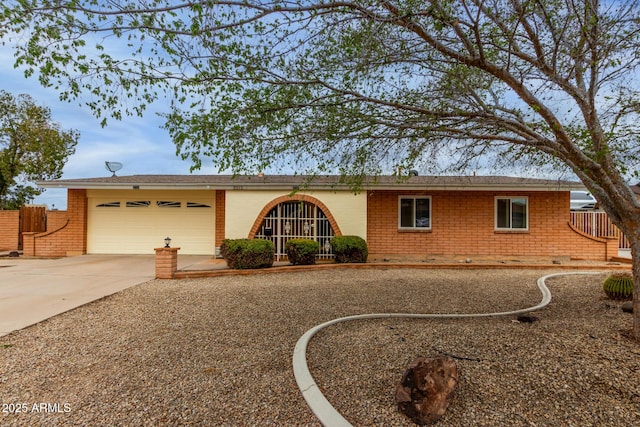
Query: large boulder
point(427, 388)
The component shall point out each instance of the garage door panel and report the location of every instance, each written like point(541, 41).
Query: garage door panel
point(138, 228)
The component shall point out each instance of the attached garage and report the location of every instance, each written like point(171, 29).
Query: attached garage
point(136, 222)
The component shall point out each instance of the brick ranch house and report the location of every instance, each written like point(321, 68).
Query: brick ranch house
point(421, 218)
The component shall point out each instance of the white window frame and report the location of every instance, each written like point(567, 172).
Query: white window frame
point(510, 227)
point(414, 198)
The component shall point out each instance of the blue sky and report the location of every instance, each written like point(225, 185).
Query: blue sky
point(138, 143)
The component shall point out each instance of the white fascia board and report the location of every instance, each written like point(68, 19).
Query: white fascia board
point(495, 187)
point(311, 187)
point(124, 186)
point(148, 186)
point(188, 186)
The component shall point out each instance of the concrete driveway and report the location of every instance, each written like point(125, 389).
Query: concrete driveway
point(32, 290)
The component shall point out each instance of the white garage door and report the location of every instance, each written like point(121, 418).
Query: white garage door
point(137, 226)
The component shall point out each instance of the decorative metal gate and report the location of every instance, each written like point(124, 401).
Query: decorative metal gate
point(297, 220)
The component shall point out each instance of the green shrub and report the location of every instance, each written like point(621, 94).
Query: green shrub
point(619, 286)
point(302, 251)
point(247, 253)
point(349, 249)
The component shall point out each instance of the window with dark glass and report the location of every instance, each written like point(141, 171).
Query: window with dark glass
point(167, 204)
point(512, 213)
point(108, 205)
point(197, 205)
point(414, 213)
point(138, 203)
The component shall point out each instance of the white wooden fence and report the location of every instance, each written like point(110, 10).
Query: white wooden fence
point(598, 224)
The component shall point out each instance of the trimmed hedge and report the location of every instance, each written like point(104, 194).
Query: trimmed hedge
point(349, 249)
point(245, 254)
point(302, 251)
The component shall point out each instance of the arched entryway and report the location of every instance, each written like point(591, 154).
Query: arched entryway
point(302, 218)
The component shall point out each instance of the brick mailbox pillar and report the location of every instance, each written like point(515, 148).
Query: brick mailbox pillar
point(166, 262)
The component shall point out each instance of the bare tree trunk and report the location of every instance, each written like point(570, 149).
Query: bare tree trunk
point(623, 207)
point(635, 254)
point(629, 224)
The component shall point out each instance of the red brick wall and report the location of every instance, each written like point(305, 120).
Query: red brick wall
point(56, 219)
point(9, 227)
point(70, 236)
point(220, 216)
point(166, 262)
point(463, 225)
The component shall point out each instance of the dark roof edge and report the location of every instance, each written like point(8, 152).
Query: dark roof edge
point(300, 182)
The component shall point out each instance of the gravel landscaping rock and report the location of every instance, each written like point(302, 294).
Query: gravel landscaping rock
point(218, 352)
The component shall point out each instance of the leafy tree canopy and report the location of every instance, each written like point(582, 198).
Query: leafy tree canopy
point(348, 84)
point(32, 147)
point(344, 85)
point(360, 86)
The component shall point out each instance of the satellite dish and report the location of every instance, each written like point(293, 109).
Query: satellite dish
point(113, 167)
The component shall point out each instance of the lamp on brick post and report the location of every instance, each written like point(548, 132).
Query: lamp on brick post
point(166, 260)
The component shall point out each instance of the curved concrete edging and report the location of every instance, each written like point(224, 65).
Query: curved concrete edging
point(319, 404)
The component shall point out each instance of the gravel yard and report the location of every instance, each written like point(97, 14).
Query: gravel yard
point(217, 352)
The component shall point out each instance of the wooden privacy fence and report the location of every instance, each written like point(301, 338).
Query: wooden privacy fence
point(32, 219)
point(598, 224)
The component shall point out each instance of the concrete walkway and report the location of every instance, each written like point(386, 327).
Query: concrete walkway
point(32, 290)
